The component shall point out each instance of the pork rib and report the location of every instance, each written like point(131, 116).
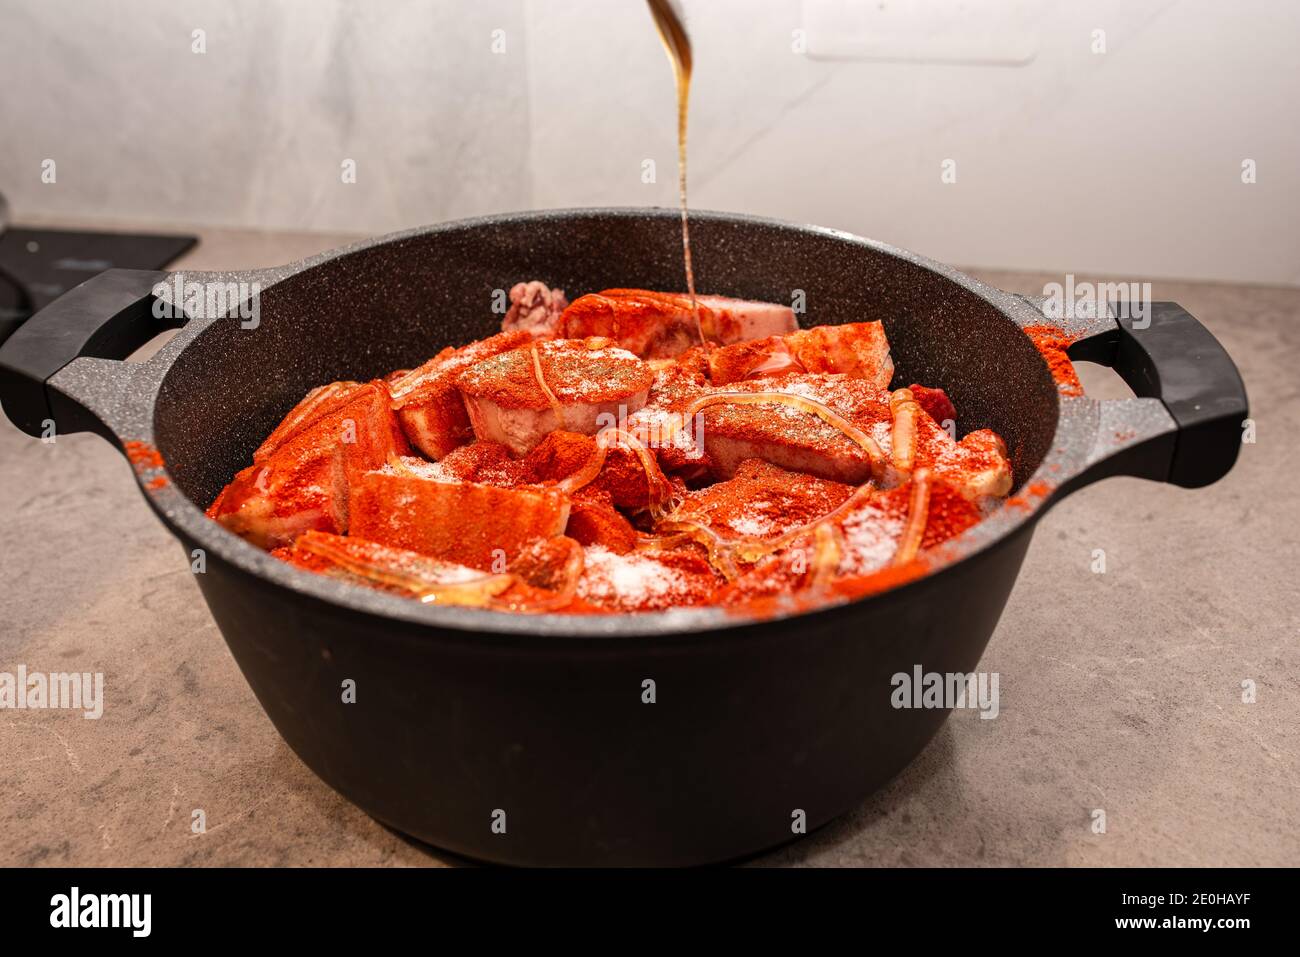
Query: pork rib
point(856, 349)
point(657, 325)
point(429, 405)
point(482, 526)
point(302, 482)
point(519, 397)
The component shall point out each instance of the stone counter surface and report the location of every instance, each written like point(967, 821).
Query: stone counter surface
point(1120, 691)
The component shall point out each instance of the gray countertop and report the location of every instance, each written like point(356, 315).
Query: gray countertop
point(1120, 691)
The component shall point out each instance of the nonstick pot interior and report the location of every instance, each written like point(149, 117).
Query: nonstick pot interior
point(362, 313)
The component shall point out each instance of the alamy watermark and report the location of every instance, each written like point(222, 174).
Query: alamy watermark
point(1089, 300)
point(949, 689)
point(210, 299)
point(38, 690)
point(130, 911)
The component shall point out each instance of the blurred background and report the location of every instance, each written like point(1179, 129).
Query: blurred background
point(1110, 137)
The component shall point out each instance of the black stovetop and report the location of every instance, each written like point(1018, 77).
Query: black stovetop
point(39, 265)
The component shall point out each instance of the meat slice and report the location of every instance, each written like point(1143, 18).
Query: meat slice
point(426, 399)
point(781, 531)
point(543, 577)
point(317, 404)
point(763, 524)
point(784, 435)
point(628, 479)
point(977, 466)
point(302, 482)
point(797, 439)
point(949, 513)
point(559, 455)
point(488, 463)
point(936, 403)
point(593, 520)
point(362, 562)
point(691, 365)
point(857, 349)
point(519, 397)
point(482, 526)
point(792, 444)
point(647, 580)
point(535, 308)
point(545, 569)
point(657, 325)
point(757, 359)
point(762, 501)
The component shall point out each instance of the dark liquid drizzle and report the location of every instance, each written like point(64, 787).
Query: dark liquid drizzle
point(678, 46)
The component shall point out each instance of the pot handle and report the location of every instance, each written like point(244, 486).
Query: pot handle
point(1172, 357)
point(108, 316)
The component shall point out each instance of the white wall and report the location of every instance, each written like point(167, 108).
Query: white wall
point(1126, 163)
point(253, 132)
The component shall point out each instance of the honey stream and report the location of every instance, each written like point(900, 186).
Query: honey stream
point(678, 46)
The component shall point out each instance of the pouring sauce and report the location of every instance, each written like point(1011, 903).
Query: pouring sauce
point(678, 47)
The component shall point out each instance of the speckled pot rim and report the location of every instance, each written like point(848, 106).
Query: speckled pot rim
point(124, 396)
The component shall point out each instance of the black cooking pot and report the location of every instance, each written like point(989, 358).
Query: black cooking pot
point(532, 739)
